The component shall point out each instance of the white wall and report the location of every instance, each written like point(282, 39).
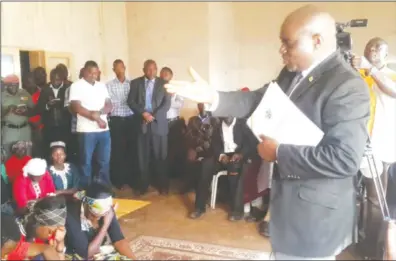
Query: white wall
point(88, 30)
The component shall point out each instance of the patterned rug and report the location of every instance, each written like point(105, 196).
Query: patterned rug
point(156, 248)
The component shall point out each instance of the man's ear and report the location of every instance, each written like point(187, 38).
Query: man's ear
point(317, 40)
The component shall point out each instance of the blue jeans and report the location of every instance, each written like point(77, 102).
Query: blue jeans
point(99, 145)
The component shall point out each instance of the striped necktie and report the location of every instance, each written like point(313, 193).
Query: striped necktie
point(296, 80)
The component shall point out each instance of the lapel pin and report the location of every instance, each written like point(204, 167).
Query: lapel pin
point(310, 79)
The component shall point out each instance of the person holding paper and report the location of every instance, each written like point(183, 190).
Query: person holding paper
point(312, 193)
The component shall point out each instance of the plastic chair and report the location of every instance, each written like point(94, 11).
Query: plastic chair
point(215, 181)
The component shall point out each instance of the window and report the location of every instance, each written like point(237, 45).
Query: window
point(7, 65)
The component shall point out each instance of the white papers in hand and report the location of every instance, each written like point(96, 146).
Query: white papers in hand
point(277, 117)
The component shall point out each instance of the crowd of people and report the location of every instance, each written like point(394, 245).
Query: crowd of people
point(63, 139)
point(65, 144)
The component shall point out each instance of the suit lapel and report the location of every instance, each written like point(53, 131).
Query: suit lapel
point(315, 75)
point(155, 90)
point(142, 88)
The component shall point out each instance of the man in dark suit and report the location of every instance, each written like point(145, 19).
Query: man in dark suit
point(150, 102)
point(312, 194)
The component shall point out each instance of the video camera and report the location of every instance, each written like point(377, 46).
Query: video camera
point(344, 39)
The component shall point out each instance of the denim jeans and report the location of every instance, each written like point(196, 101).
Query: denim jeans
point(97, 145)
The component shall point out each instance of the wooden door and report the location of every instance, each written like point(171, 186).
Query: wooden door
point(52, 59)
point(36, 59)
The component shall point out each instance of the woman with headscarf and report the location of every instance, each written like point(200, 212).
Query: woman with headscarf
point(90, 221)
point(18, 159)
point(65, 175)
point(42, 232)
point(35, 183)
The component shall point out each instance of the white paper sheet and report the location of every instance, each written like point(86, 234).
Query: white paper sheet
point(277, 117)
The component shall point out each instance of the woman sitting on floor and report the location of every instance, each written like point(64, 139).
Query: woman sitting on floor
point(89, 221)
point(43, 232)
point(18, 160)
point(34, 184)
point(65, 175)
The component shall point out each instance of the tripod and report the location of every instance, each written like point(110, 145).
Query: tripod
point(381, 196)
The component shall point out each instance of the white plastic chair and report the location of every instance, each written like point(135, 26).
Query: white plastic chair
point(214, 187)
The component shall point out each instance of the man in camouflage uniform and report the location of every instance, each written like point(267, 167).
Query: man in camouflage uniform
point(16, 103)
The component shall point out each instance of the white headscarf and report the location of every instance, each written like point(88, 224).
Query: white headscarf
point(35, 167)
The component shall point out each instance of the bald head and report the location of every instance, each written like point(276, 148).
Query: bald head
point(376, 52)
point(308, 35)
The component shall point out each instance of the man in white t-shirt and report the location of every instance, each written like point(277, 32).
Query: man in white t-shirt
point(90, 101)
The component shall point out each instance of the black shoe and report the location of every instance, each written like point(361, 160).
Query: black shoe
point(235, 217)
point(197, 214)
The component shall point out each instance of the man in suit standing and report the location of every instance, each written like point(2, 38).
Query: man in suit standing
point(150, 102)
point(312, 194)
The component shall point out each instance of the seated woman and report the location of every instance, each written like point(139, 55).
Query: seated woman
point(18, 160)
point(35, 183)
point(65, 175)
point(43, 232)
point(89, 221)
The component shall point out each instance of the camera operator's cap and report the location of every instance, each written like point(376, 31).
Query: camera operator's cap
point(245, 89)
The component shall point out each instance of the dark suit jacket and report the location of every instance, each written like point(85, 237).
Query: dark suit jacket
point(161, 102)
point(56, 115)
point(312, 196)
point(205, 139)
point(244, 139)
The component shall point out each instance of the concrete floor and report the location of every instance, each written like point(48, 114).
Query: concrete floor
point(167, 216)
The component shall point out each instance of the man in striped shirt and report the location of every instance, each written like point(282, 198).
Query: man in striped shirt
point(122, 129)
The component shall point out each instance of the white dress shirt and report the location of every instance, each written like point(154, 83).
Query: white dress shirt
point(228, 137)
point(176, 105)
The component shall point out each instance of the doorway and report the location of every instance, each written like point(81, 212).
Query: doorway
point(29, 60)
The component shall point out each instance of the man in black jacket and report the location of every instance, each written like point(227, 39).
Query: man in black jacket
point(238, 146)
point(55, 117)
point(150, 102)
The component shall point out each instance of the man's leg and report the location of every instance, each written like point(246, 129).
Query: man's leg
point(117, 157)
point(103, 151)
point(236, 189)
point(131, 153)
point(87, 143)
point(160, 150)
point(143, 146)
point(201, 195)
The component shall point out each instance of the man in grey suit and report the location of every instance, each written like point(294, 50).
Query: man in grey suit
point(149, 100)
point(312, 196)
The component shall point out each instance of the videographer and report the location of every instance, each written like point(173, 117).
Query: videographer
point(381, 82)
